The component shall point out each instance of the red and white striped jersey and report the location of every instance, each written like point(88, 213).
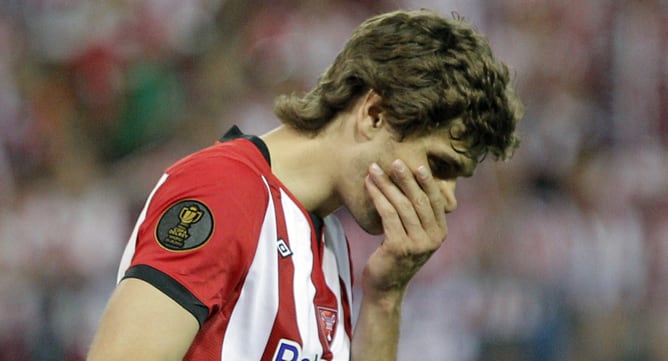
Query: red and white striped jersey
point(266, 279)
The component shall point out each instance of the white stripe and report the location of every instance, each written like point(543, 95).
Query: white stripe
point(299, 234)
point(335, 239)
point(253, 316)
point(129, 251)
point(336, 264)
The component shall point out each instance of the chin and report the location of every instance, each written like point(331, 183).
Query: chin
point(370, 223)
point(374, 229)
point(365, 215)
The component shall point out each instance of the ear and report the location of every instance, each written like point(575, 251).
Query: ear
point(370, 115)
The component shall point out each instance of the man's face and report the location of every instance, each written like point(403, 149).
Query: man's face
point(435, 151)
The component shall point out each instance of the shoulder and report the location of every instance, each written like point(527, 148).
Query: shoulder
point(233, 164)
point(227, 178)
point(220, 159)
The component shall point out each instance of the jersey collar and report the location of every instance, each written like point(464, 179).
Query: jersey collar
point(235, 133)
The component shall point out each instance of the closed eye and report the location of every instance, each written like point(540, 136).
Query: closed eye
point(443, 168)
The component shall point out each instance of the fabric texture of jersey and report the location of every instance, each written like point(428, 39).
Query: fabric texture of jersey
point(265, 279)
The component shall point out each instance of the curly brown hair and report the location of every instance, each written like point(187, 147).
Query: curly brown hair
point(429, 71)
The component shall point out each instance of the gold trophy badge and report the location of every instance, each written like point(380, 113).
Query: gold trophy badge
point(178, 234)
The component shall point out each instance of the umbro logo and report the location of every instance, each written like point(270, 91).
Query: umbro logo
point(283, 248)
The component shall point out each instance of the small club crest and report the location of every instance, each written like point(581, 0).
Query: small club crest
point(327, 320)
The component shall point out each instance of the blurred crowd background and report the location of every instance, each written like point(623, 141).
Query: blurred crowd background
point(559, 254)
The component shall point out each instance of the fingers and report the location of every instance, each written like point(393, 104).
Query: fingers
point(393, 187)
point(437, 200)
point(391, 221)
point(411, 199)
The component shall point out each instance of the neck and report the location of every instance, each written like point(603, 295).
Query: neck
point(305, 165)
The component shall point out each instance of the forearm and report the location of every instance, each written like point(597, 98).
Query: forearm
point(376, 335)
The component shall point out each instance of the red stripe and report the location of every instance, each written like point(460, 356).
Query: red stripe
point(346, 298)
point(347, 316)
point(324, 297)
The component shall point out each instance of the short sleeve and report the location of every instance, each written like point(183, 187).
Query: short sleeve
point(200, 232)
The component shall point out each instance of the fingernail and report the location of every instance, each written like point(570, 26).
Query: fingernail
point(399, 165)
point(423, 172)
point(376, 169)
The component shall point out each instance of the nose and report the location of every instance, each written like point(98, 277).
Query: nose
point(448, 191)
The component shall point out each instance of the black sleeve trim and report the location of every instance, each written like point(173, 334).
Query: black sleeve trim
point(171, 288)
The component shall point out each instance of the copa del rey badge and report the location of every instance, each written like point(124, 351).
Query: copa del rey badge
point(327, 322)
point(186, 225)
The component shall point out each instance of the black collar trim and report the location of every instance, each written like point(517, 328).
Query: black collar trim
point(235, 133)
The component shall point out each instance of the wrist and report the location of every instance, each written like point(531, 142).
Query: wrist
point(389, 300)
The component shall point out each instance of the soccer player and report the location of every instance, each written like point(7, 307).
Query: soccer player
point(237, 255)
